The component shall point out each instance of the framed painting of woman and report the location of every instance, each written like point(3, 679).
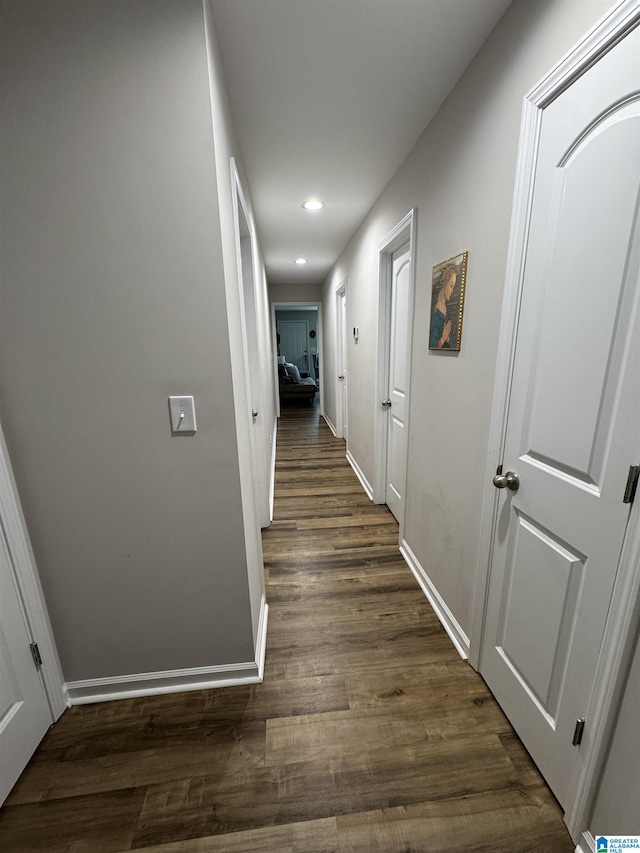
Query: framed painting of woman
point(447, 303)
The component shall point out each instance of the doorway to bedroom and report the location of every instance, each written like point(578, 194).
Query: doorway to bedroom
point(297, 338)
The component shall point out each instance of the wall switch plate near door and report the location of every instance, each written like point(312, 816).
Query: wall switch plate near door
point(183, 415)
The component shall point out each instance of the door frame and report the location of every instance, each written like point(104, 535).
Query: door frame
point(341, 359)
point(292, 306)
point(624, 614)
point(23, 565)
point(404, 231)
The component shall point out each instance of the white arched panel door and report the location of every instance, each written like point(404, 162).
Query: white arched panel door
point(398, 394)
point(572, 425)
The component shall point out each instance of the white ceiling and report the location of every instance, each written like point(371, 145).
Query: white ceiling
point(329, 97)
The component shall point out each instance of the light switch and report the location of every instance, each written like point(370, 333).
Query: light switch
point(183, 415)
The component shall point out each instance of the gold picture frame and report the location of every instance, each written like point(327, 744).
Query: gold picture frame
point(447, 304)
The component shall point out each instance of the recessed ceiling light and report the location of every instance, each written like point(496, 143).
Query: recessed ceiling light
point(313, 204)
point(301, 261)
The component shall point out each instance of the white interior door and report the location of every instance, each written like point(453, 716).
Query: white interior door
point(572, 428)
point(397, 400)
point(294, 338)
point(24, 710)
point(341, 363)
point(259, 456)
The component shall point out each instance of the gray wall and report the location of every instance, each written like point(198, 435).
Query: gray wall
point(460, 177)
point(112, 298)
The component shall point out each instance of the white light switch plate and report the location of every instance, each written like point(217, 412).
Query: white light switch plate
point(183, 415)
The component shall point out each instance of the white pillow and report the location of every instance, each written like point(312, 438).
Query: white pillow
point(293, 371)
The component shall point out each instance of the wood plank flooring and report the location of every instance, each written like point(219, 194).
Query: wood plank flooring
point(368, 735)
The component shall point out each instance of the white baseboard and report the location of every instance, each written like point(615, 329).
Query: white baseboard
point(366, 485)
point(174, 681)
point(446, 617)
point(587, 844)
point(330, 425)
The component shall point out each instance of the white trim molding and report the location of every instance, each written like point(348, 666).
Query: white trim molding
point(329, 424)
point(155, 683)
point(173, 681)
point(366, 485)
point(623, 615)
point(437, 602)
point(587, 844)
point(261, 640)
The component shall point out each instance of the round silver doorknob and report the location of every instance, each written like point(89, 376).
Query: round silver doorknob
point(254, 413)
point(386, 403)
point(510, 480)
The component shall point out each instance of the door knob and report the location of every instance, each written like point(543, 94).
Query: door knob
point(254, 413)
point(386, 403)
point(510, 480)
point(341, 378)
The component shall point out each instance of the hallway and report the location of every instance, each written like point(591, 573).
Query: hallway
point(368, 735)
point(406, 746)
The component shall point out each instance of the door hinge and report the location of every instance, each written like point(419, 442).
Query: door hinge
point(35, 654)
point(577, 732)
point(632, 484)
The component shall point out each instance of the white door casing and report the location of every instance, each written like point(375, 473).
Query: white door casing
point(571, 427)
point(296, 306)
point(395, 325)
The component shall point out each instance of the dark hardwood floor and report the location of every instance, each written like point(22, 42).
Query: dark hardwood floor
point(368, 735)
